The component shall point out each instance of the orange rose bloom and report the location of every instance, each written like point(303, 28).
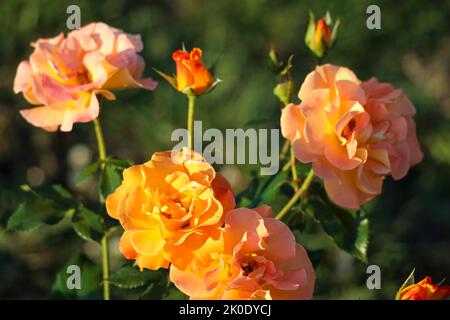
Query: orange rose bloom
point(64, 75)
point(425, 290)
point(355, 134)
point(191, 72)
point(169, 206)
point(255, 258)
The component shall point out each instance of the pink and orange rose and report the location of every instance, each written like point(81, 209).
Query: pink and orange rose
point(169, 207)
point(354, 133)
point(64, 75)
point(256, 257)
point(176, 210)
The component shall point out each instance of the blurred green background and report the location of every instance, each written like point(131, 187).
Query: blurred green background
point(410, 221)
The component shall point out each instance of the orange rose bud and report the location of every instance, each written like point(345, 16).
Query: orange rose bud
point(323, 33)
point(425, 290)
point(320, 35)
point(191, 72)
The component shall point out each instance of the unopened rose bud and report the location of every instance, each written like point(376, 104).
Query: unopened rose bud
point(323, 33)
point(191, 72)
point(424, 290)
point(192, 77)
point(320, 34)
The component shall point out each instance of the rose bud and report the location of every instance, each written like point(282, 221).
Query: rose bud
point(192, 77)
point(424, 290)
point(321, 34)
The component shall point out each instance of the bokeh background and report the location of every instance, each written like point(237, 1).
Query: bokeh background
point(410, 221)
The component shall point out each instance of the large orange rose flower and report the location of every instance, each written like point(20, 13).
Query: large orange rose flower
point(255, 258)
point(425, 290)
point(169, 206)
point(65, 75)
point(355, 134)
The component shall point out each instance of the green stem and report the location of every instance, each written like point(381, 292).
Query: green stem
point(303, 188)
point(294, 168)
point(190, 120)
point(284, 149)
point(105, 267)
point(104, 242)
point(286, 166)
point(100, 140)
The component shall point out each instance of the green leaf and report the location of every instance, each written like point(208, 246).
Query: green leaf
point(90, 281)
point(213, 86)
point(88, 225)
point(327, 18)
point(154, 291)
point(287, 69)
point(119, 163)
point(348, 229)
point(174, 294)
point(296, 218)
point(32, 215)
point(335, 31)
point(262, 190)
point(110, 179)
point(130, 277)
point(409, 281)
point(275, 63)
point(171, 80)
point(14, 199)
point(158, 288)
point(111, 175)
point(311, 29)
point(303, 169)
point(43, 205)
point(272, 187)
point(284, 91)
point(87, 172)
point(54, 192)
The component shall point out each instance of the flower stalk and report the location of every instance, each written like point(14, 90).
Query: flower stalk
point(100, 140)
point(190, 120)
point(104, 242)
point(294, 168)
point(297, 195)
